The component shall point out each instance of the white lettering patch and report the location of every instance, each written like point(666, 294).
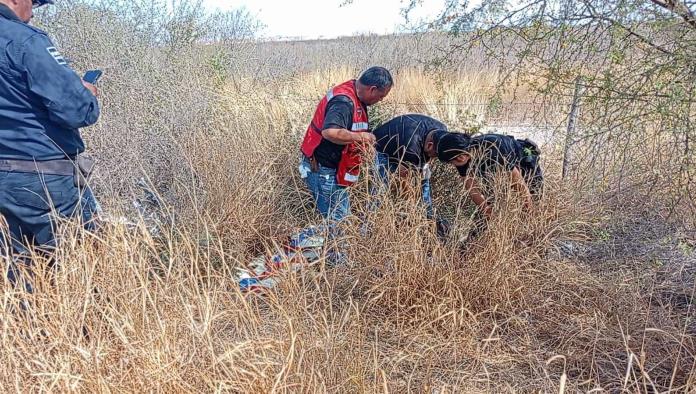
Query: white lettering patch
point(57, 56)
point(360, 126)
point(351, 178)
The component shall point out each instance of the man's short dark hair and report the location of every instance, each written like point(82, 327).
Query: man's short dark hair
point(376, 76)
point(437, 136)
point(41, 3)
point(452, 145)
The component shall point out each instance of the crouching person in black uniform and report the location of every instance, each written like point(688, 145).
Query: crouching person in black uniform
point(480, 158)
point(408, 143)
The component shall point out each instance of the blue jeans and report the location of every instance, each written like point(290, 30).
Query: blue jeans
point(384, 168)
point(332, 200)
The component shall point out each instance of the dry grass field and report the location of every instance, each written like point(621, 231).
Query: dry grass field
point(593, 293)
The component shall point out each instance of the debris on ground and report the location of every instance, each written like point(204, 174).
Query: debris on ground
point(301, 250)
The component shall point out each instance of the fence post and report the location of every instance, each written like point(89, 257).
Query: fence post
point(572, 121)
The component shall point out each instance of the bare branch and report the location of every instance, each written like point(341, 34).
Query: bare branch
point(678, 8)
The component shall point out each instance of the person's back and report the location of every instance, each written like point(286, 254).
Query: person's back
point(42, 101)
point(491, 153)
point(403, 138)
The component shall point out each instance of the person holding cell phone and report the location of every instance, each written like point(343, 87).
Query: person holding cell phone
point(43, 104)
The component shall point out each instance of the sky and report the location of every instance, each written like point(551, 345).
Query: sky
point(312, 19)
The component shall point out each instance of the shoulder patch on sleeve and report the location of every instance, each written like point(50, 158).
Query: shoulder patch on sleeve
point(57, 56)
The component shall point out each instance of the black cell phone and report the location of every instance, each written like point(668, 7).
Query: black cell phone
point(92, 76)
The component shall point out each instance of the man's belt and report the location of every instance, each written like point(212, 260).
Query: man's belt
point(49, 167)
point(313, 163)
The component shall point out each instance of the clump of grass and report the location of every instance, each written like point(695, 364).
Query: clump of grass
point(133, 312)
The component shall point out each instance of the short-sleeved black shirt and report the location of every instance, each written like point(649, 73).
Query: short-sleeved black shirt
point(339, 115)
point(491, 152)
point(403, 138)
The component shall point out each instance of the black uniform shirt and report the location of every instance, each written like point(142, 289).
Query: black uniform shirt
point(491, 152)
point(339, 115)
point(403, 138)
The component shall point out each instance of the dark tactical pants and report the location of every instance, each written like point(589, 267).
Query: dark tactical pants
point(30, 203)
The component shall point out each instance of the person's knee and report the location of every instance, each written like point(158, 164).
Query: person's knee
point(340, 203)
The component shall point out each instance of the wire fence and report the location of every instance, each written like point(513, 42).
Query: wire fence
point(539, 114)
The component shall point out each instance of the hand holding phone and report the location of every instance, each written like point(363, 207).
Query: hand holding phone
point(92, 76)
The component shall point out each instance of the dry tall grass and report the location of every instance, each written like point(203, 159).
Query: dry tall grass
point(548, 302)
point(164, 312)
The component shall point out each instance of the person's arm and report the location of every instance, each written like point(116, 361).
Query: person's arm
point(68, 100)
point(338, 122)
point(519, 184)
point(343, 136)
point(475, 194)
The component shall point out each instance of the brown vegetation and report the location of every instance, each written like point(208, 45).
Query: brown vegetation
point(588, 294)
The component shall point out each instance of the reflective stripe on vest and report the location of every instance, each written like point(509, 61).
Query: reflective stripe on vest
point(360, 126)
point(351, 177)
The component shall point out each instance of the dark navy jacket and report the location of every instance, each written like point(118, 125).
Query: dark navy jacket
point(42, 101)
point(403, 138)
point(492, 152)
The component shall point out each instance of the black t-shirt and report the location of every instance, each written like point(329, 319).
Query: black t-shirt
point(403, 138)
point(490, 153)
point(339, 115)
